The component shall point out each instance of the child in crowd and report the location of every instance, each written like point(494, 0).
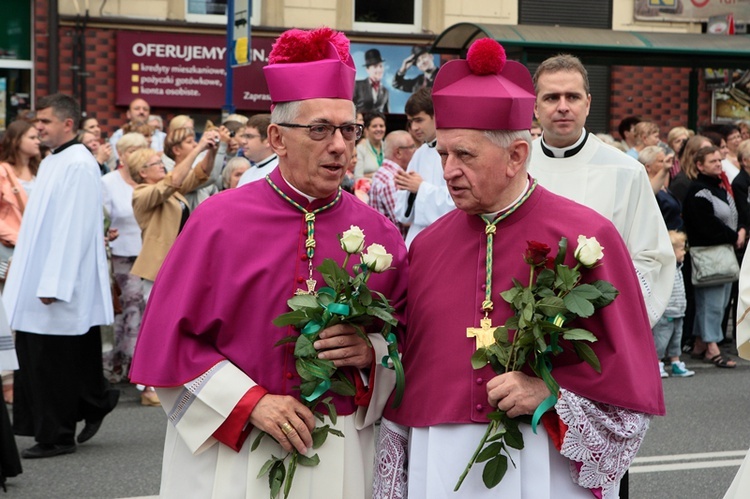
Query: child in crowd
point(668, 331)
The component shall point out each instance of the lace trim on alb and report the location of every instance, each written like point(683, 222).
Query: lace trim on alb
point(601, 442)
point(391, 462)
point(190, 391)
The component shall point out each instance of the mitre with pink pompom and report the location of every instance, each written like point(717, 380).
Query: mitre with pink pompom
point(310, 65)
point(484, 92)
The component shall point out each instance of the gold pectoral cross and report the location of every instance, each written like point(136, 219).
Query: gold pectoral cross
point(484, 335)
point(311, 283)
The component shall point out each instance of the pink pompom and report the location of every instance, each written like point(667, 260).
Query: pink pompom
point(297, 45)
point(486, 57)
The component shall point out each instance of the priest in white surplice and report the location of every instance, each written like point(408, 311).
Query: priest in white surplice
point(457, 269)
point(422, 195)
point(58, 293)
point(571, 162)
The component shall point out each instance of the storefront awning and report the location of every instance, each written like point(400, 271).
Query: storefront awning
point(600, 46)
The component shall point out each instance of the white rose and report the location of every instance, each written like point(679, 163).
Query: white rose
point(589, 251)
point(377, 258)
point(353, 240)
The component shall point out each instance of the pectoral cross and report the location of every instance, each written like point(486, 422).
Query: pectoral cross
point(484, 335)
point(311, 283)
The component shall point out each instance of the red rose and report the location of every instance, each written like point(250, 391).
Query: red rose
point(536, 253)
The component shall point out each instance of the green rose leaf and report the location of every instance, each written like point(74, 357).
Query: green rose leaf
point(319, 436)
point(579, 334)
point(333, 275)
point(489, 452)
point(566, 277)
point(578, 304)
point(494, 471)
point(285, 340)
point(514, 438)
point(295, 318)
point(303, 460)
point(331, 409)
point(276, 477)
point(510, 294)
point(365, 296)
point(304, 347)
point(551, 306)
point(587, 291)
point(501, 335)
point(256, 443)
point(266, 466)
point(562, 248)
point(608, 293)
point(545, 279)
point(342, 388)
point(382, 314)
point(336, 433)
point(586, 353)
point(479, 358)
point(299, 302)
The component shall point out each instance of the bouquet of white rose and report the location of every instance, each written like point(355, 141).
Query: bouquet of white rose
point(345, 300)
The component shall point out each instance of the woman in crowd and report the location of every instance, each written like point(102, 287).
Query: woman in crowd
point(681, 182)
point(91, 125)
point(733, 136)
point(710, 220)
point(180, 121)
point(159, 204)
point(180, 144)
point(20, 150)
point(646, 134)
point(233, 171)
point(118, 200)
point(101, 152)
point(236, 129)
point(370, 151)
point(19, 154)
point(676, 140)
point(657, 164)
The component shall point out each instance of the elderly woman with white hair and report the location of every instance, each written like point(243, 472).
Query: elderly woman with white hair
point(118, 200)
point(236, 166)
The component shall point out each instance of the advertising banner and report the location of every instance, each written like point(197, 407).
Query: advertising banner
point(690, 11)
point(178, 70)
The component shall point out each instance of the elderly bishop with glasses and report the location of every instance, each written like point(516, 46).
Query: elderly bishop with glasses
point(208, 342)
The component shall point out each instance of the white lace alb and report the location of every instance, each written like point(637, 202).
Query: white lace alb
point(601, 442)
point(391, 461)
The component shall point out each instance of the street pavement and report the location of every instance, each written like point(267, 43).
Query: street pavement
point(692, 453)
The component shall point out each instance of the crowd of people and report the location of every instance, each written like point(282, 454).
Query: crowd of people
point(95, 230)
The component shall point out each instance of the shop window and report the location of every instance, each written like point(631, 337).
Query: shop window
point(391, 16)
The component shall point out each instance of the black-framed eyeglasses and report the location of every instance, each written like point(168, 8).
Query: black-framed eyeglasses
point(320, 131)
point(158, 163)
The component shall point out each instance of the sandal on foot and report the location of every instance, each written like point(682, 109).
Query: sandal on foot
point(719, 361)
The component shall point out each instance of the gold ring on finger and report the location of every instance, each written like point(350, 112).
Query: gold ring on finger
point(286, 428)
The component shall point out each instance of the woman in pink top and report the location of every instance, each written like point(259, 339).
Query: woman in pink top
point(19, 155)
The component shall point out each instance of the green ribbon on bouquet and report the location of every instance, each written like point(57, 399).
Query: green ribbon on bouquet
point(310, 329)
point(393, 356)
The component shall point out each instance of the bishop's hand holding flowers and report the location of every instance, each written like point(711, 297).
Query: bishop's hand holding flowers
point(324, 319)
point(538, 330)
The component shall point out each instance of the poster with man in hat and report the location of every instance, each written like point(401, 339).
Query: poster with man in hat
point(370, 93)
point(420, 58)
